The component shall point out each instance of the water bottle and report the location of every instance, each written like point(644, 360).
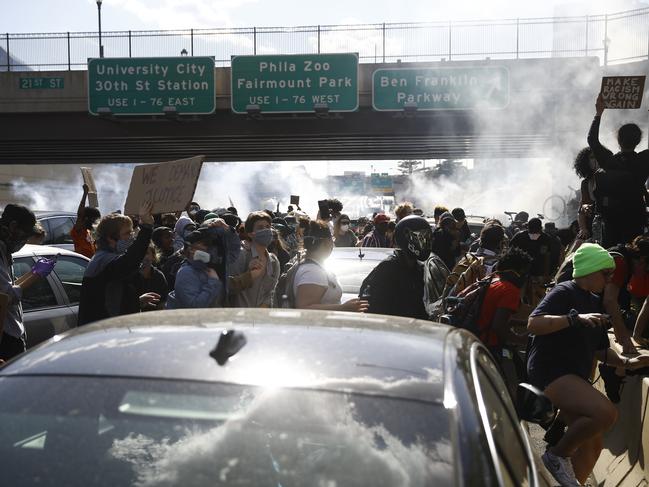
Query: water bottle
point(598, 229)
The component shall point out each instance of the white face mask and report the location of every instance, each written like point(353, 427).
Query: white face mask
point(534, 236)
point(344, 228)
point(202, 256)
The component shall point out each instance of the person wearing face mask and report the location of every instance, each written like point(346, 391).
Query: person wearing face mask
point(396, 285)
point(545, 262)
point(313, 286)
point(175, 257)
point(477, 265)
point(254, 275)
point(377, 237)
point(446, 240)
point(16, 226)
point(149, 279)
point(197, 283)
point(106, 289)
point(343, 236)
point(81, 232)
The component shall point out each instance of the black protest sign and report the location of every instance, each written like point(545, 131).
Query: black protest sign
point(622, 91)
point(169, 186)
point(295, 199)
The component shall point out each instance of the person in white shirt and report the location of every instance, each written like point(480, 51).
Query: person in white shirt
point(314, 287)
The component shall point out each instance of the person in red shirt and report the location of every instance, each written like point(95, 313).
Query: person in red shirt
point(81, 232)
point(630, 282)
point(502, 301)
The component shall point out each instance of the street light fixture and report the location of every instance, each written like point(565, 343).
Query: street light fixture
point(101, 48)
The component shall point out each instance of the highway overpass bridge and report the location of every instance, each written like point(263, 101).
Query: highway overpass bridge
point(549, 101)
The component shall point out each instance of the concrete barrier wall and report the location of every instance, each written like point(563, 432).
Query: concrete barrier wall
point(625, 458)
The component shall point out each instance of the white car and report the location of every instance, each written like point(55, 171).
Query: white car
point(51, 305)
point(353, 264)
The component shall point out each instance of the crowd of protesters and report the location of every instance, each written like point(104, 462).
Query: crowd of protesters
point(550, 293)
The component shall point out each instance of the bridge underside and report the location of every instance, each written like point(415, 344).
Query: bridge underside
point(81, 138)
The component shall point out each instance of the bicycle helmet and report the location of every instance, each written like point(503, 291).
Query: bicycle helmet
point(414, 236)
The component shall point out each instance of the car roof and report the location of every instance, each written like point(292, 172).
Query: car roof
point(38, 250)
point(372, 354)
point(369, 253)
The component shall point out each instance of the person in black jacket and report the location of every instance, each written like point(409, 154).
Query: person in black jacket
point(620, 193)
point(105, 286)
point(396, 286)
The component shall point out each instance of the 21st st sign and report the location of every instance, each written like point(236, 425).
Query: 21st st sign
point(150, 86)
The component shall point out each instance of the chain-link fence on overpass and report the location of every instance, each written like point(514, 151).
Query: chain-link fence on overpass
point(614, 38)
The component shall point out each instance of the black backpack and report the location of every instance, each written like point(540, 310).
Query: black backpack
point(463, 310)
point(283, 295)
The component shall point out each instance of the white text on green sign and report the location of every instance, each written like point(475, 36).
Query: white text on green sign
point(41, 83)
point(440, 88)
point(151, 86)
point(295, 83)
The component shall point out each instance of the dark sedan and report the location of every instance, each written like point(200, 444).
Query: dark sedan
point(287, 398)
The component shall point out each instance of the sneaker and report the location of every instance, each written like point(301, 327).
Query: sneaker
point(561, 469)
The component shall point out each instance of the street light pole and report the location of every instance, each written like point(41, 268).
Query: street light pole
point(101, 48)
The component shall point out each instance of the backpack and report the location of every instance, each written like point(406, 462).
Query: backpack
point(435, 276)
point(463, 310)
point(284, 294)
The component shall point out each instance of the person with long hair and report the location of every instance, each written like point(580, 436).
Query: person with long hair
point(315, 287)
point(343, 235)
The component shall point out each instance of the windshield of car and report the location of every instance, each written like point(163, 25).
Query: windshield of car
point(116, 431)
point(351, 272)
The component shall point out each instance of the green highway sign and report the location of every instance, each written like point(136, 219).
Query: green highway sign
point(295, 83)
point(148, 86)
point(41, 83)
point(394, 89)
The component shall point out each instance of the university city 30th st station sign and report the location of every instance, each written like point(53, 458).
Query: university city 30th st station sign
point(295, 83)
point(148, 86)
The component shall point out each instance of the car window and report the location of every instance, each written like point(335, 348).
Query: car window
point(70, 272)
point(117, 431)
point(59, 230)
point(351, 272)
point(511, 449)
point(38, 295)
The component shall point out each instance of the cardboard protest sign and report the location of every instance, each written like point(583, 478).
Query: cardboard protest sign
point(89, 181)
point(295, 199)
point(169, 186)
point(622, 91)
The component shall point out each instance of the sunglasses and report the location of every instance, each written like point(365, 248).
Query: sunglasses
point(607, 273)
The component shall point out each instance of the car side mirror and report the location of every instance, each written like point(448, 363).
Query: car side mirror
point(532, 405)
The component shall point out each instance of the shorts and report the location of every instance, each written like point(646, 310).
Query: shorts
point(542, 375)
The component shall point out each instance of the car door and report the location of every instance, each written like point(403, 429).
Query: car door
point(45, 313)
point(509, 444)
point(69, 273)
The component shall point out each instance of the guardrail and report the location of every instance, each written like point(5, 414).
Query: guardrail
point(615, 38)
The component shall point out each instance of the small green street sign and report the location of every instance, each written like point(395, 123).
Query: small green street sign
point(295, 83)
point(395, 89)
point(151, 86)
point(41, 83)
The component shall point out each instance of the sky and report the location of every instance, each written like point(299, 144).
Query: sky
point(81, 15)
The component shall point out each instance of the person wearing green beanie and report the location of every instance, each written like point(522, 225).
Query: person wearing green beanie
point(590, 258)
point(568, 331)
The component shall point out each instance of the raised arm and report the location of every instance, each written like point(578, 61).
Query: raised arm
point(78, 225)
point(603, 155)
